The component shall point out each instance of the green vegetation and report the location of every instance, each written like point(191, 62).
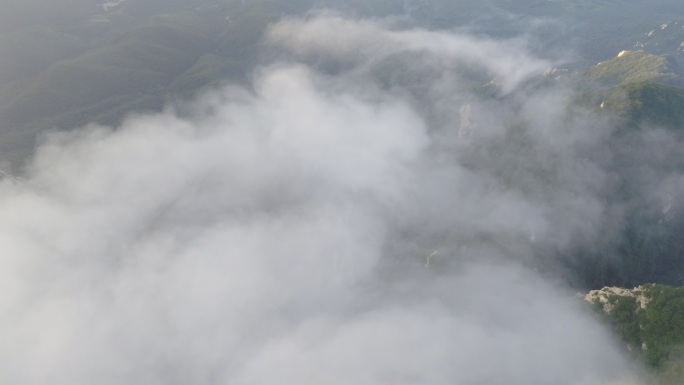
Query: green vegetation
point(648, 103)
point(636, 66)
point(654, 331)
point(672, 371)
point(641, 88)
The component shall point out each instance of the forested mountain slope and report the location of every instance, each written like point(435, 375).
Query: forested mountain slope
point(650, 321)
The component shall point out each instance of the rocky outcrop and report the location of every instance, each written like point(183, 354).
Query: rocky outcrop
point(605, 295)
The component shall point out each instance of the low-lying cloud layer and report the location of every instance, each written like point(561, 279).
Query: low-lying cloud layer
point(368, 214)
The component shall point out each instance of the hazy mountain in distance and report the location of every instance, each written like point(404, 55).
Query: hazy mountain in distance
point(66, 62)
point(21, 14)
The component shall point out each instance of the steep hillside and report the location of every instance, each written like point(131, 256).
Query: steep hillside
point(648, 318)
point(641, 88)
point(636, 66)
point(647, 103)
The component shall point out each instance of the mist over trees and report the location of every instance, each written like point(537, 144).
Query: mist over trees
point(84, 64)
point(70, 63)
point(368, 192)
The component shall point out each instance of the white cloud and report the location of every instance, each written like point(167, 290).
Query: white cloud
point(282, 236)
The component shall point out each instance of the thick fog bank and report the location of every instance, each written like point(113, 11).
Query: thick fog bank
point(370, 214)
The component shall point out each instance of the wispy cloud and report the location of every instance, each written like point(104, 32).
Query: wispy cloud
point(282, 235)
